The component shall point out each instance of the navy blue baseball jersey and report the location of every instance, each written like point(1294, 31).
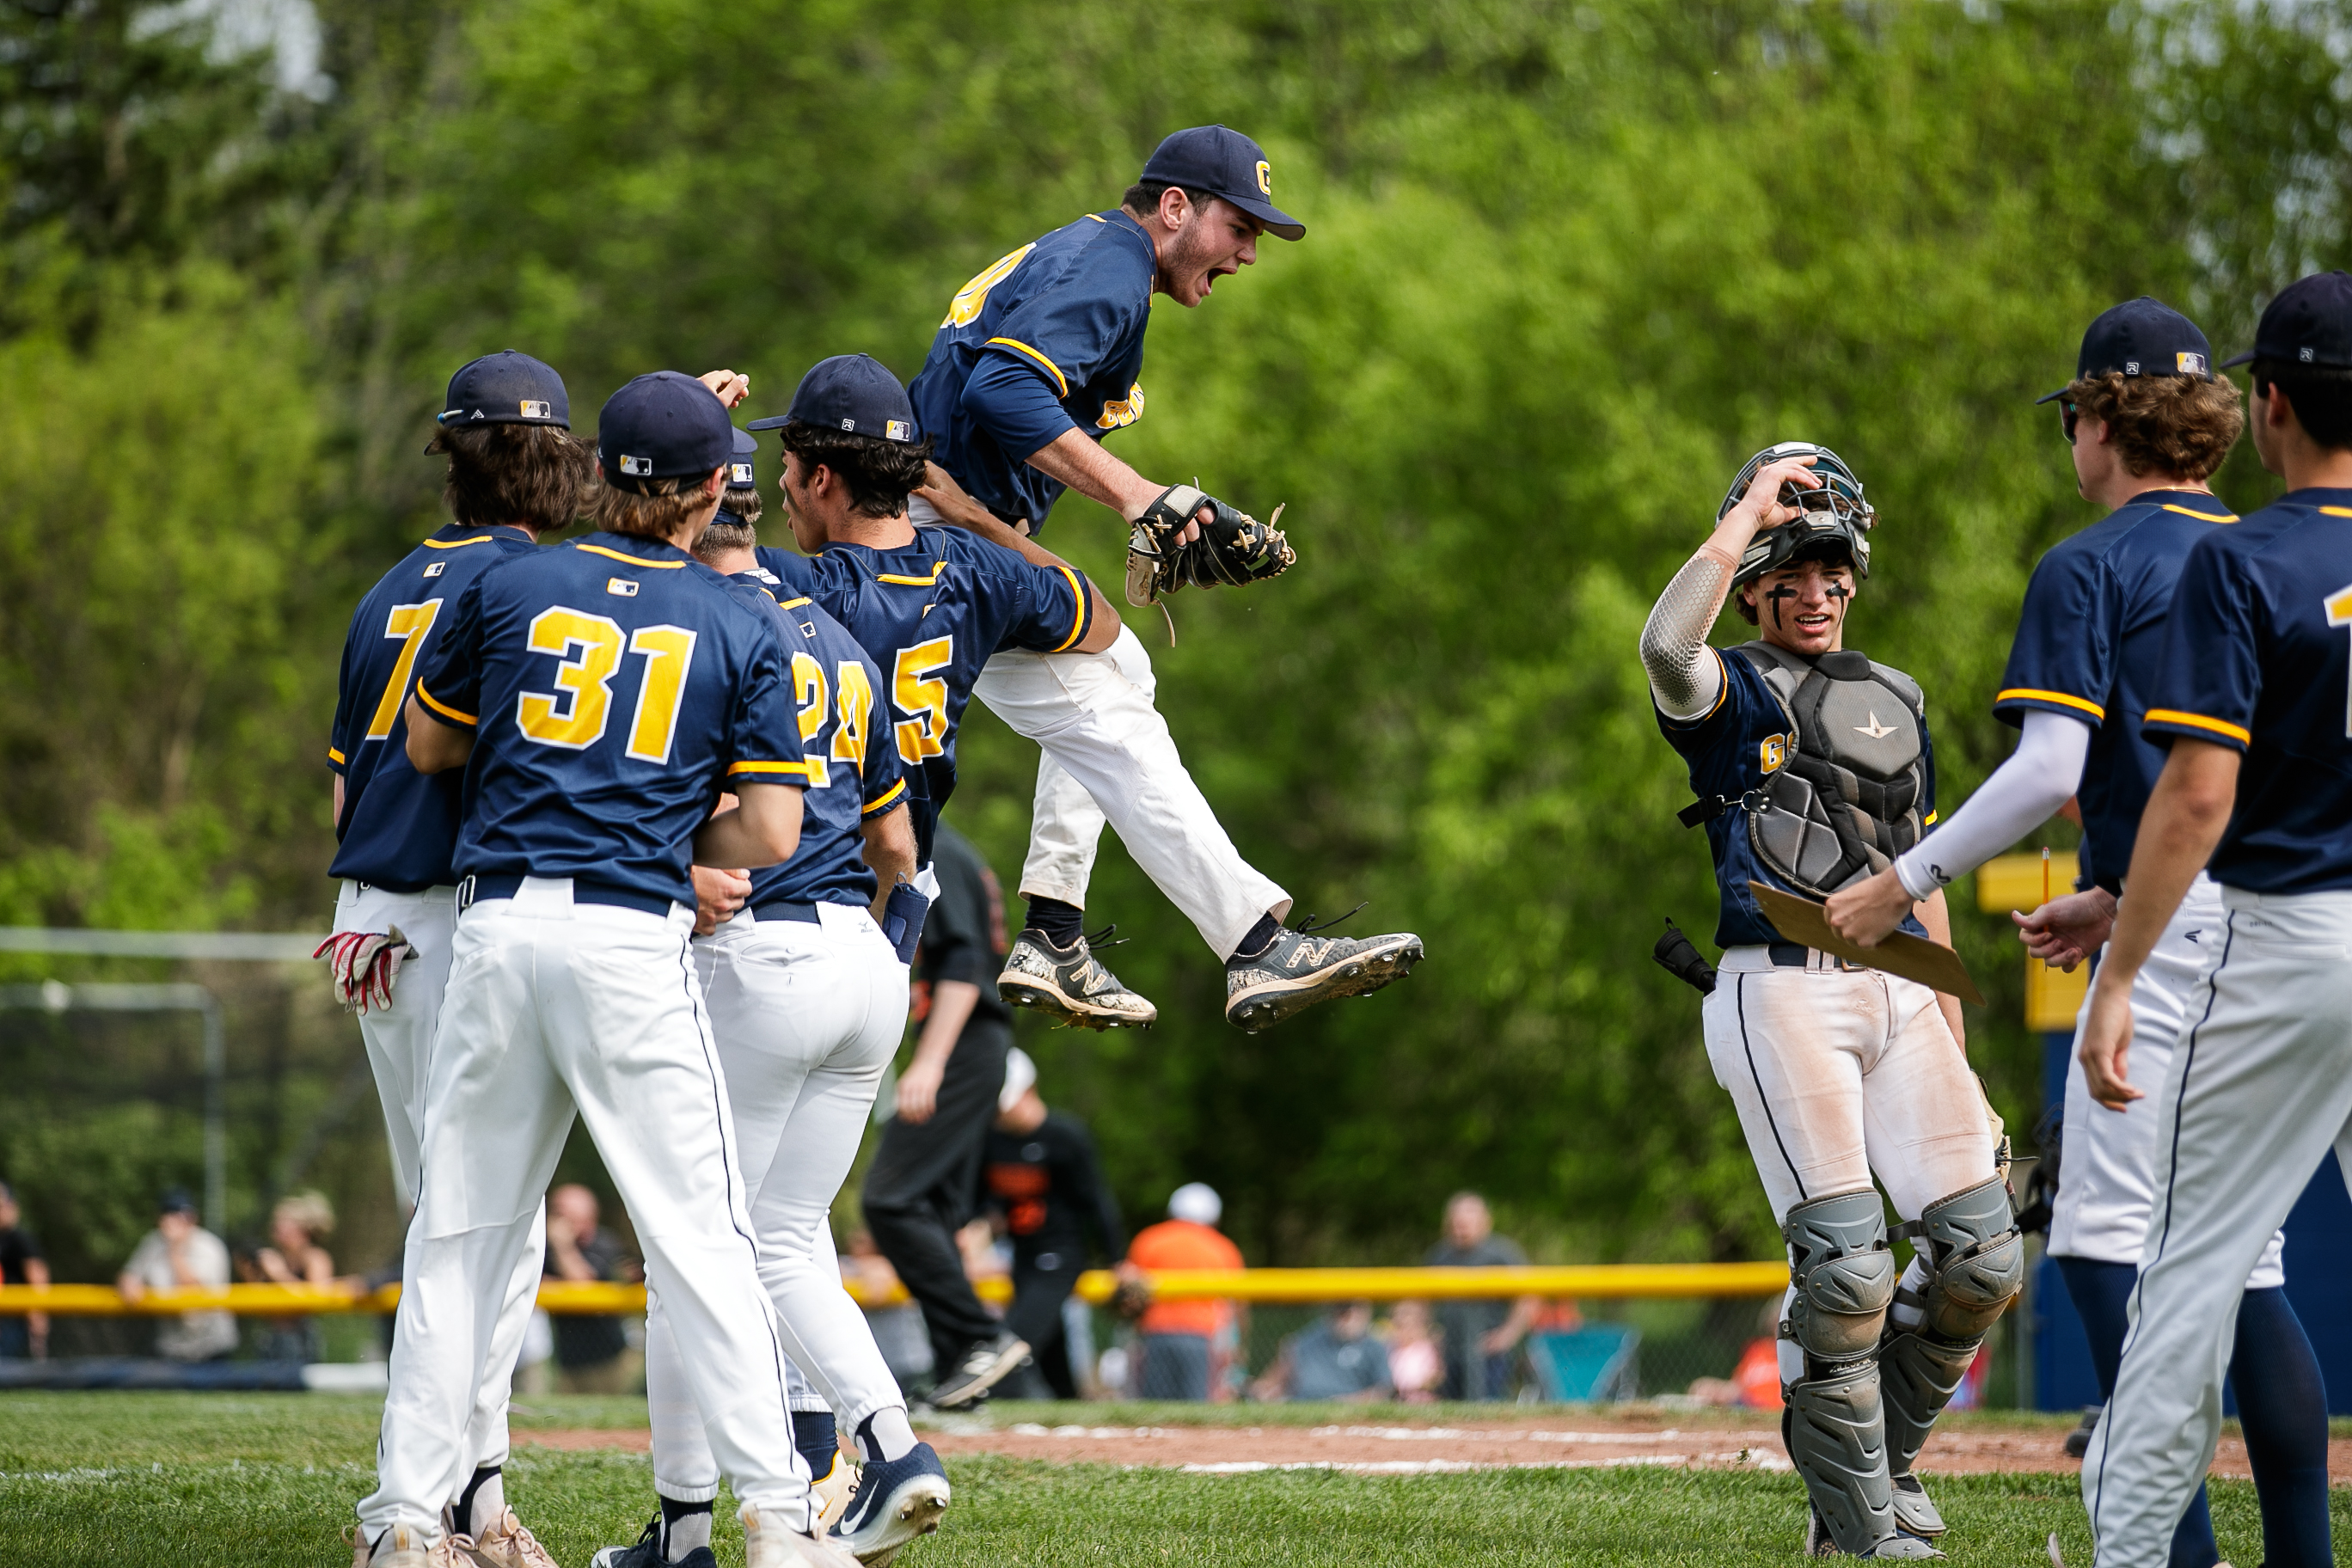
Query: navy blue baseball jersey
point(399, 828)
point(2255, 658)
point(932, 613)
point(2090, 646)
point(614, 686)
point(1731, 749)
point(1047, 339)
point(853, 774)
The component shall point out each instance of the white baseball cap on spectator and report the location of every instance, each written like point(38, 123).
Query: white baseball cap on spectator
point(1197, 1202)
point(1020, 1073)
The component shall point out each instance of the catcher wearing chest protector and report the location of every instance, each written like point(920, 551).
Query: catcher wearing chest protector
point(1814, 769)
point(1037, 362)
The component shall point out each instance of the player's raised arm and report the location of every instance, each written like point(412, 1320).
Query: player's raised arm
point(1684, 677)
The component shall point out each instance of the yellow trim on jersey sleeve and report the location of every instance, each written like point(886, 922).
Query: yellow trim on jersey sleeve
point(335, 756)
point(903, 581)
point(890, 797)
point(444, 709)
point(791, 604)
point(803, 768)
point(1059, 379)
point(457, 543)
point(2336, 511)
point(1098, 218)
point(632, 560)
point(1077, 626)
point(1930, 821)
point(2199, 721)
point(2028, 694)
point(2217, 517)
point(1722, 695)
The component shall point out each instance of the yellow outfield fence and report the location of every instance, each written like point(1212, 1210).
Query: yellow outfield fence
point(1599, 1282)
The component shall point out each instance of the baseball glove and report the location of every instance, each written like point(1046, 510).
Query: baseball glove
point(1130, 1298)
point(1233, 547)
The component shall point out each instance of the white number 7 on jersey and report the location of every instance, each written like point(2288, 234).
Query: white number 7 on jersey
point(2339, 613)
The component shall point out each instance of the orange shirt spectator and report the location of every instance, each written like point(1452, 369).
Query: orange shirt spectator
point(1185, 1344)
point(1181, 1244)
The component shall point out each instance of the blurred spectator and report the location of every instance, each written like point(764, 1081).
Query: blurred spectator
point(918, 1190)
point(1178, 1336)
point(1482, 1336)
point(592, 1352)
point(21, 1263)
point(1337, 1358)
point(1756, 1380)
point(180, 1255)
point(1038, 1170)
point(1416, 1360)
point(899, 1331)
point(295, 1258)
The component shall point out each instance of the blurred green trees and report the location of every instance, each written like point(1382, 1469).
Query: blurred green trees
point(1567, 266)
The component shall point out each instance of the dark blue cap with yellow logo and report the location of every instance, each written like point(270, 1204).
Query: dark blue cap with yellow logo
point(2142, 337)
point(2308, 323)
point(1224, 163)
point(504, 388)
point(743, 467)
point(855, 393)
point(666, 425)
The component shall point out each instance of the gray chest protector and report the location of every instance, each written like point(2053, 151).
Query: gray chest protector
point(1844, 801)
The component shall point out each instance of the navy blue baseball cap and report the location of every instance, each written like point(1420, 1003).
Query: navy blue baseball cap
point(852, 393)
point(504, 388)
point(2142, 337)
point(1224, 163)
point(2308, 323)
point(743, 468)
point(665, 425)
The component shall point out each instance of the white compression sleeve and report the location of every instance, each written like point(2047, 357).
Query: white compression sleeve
point(2021, 794)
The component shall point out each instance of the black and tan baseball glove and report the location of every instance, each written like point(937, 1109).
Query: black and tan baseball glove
point(1233, 547)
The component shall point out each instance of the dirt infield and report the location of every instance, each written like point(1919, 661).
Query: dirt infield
point(1567, 1440)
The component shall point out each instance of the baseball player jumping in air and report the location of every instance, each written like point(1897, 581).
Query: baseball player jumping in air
point(2148, 422)
point(1813, 769)
point(931, 606)
point(515, 471)
point(1037, 362)
point(2252, 697)
point(600, 696)
point(808, 1003)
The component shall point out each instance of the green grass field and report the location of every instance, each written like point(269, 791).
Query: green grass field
point(263, 1480)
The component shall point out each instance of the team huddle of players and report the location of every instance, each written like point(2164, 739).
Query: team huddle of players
point(637, 829)
point(2184, 676)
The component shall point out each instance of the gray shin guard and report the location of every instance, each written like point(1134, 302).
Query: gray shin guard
point(1836, 1434)
point(1843, 1276)
point(1975, 1263)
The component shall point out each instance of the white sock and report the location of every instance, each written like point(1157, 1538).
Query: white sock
point(489, 1505)
point(684, 1533)
point(885, 1435)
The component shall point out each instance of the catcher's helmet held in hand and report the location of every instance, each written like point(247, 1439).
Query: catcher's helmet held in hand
point(1834, 519)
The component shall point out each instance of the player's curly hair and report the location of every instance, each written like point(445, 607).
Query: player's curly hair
point(878, 473)
point(655, 512)
point(2322, 399)
point(536, 475)
point(744, 501)
point(2177, 425)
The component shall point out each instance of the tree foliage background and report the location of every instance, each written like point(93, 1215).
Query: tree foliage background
point(1567, 266)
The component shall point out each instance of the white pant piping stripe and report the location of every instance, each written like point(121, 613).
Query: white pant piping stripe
point(1739, 996)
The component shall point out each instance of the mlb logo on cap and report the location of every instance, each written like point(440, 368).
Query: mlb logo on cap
point(636, 465)
point(739, 474)
point(898, 430)
point(536, 410)
point(2190, 364)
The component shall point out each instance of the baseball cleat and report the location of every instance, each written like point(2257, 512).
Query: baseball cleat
point(983, 1366)
point(831, 1492)
point(897, 1499)
point(505, 1544)
point(1915, 1511)
point(1071, 982)
point(770, 1543)
point(2078, 1441)
point(400, 1548)
point(1298, 969)
point(1897, 1546)
point(647, 1554)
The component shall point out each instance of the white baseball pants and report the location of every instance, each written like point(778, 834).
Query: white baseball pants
point(2261, 1088)
point(2108, 1174)
point(556, 1010)
point(806, 1017)
point(1110, 759)
point(399, 1041)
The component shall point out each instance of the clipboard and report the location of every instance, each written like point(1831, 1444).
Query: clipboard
point(1913, 958)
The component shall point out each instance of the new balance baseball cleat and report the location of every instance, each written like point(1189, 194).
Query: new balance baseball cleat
point(505, 1544)
point(1298, 969)
point(897, 1500)
point(1071, 982)
point(983, 1366)
point(399, 1548)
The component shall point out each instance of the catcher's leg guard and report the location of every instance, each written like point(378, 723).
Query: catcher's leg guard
point(1834, 1427)
point(1975, 1260)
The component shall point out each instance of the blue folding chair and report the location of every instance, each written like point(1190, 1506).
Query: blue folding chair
point(1595, 1363)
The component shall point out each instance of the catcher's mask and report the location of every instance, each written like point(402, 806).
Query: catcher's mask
point(1833, 519)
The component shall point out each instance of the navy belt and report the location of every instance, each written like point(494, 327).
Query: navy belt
point(1797, 955)
point(585, 891)
point(785, 910)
